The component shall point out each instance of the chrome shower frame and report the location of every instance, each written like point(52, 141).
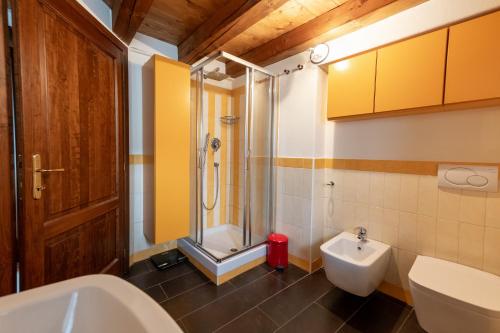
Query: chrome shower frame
point(250, 70)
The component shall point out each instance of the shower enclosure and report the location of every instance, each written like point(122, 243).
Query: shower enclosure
point(235, 137)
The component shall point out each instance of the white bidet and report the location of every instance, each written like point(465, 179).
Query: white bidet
point(357, 266)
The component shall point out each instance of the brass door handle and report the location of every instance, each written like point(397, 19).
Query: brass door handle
point(49, 170)
point(38, 187)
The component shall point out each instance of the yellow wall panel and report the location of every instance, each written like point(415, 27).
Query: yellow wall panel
point(473, 67)
point(171, 109)
point(410, 73)
point(351, 85)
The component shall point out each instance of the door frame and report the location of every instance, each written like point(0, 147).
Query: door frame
point(71, 11)
point(8, 258)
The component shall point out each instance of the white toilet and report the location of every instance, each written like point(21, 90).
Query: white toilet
point(353, 265)
point(451, 298)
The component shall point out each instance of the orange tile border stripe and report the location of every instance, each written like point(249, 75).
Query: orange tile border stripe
point(294, 162)
point(140, 159)
point(424, 168)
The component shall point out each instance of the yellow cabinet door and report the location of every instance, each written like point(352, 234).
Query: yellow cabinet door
point(410, 74)
point(351, 86)
point(473, 67)
point(166, 106)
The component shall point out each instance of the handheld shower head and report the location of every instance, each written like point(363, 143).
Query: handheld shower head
point(205, 146)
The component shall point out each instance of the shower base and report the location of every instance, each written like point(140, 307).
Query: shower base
point(219, 241)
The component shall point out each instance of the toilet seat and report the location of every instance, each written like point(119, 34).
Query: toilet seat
point(449, 296)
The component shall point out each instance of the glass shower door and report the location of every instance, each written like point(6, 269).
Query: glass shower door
point(259, 189)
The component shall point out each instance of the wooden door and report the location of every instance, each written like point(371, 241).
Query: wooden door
point(410, 74)
point(351, 85)
point(473, 65)
point(71, 110)
point(7, 220)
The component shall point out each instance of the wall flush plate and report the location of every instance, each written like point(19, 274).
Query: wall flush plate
point(468, 177)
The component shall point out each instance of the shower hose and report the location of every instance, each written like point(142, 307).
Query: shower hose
point(216, 165)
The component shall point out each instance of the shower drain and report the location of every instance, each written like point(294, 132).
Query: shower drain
point(233, 249)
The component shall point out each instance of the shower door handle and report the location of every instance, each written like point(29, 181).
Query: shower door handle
point(38, 187)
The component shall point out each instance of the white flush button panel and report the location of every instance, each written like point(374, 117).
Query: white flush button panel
point(468, 177)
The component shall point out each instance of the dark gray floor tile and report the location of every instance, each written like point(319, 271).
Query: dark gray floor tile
point(183, 283)
point(251, 322)
point(411, 325)
point(156, 293)
point(188, 302)
point(341, 303)
point(315, 319)
point(283, 306)
point(250, 275)
point(140, 267)
point(381, 314)
point(290, 275)
point(149, 279)
point(223, 310)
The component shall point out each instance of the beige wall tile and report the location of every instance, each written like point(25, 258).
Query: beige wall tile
point(426, 235)
point(392, 187)
point(473, 207)
point(392, 274)
point(493, 210)
point(362, 215)
point(409, 193)
point(407, 239)
point(376, 217)
point(492, 250)
point(405, 261)
point(427, 195)
point(449, 203)
point(337, 176)
point(470, 245)
point(363, 187)
point(447, 239)
point(377, 180)
point(350, 179)
point(390, 227)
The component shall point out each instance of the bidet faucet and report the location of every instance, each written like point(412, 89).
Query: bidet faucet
point(362, 234)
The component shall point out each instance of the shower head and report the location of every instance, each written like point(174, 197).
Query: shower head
point(215, 75)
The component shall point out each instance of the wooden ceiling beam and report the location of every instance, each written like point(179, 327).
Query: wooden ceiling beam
point(128, 16)
point(340, 20)
point(225, 24)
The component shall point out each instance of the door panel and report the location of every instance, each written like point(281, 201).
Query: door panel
point(7, 232)
point(72, 97)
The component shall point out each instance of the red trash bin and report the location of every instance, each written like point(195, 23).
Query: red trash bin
point(277, 251)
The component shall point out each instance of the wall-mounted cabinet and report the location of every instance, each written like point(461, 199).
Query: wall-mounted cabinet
point(351, 85)
point(473, 66)
point(447, 69)
point(410, 74)
point(166, 98)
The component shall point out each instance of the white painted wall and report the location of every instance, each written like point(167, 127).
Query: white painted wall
point(100, 10)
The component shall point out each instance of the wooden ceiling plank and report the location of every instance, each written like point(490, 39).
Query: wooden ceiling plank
point(129, 16)
point(225, 24)
point(353, 14)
